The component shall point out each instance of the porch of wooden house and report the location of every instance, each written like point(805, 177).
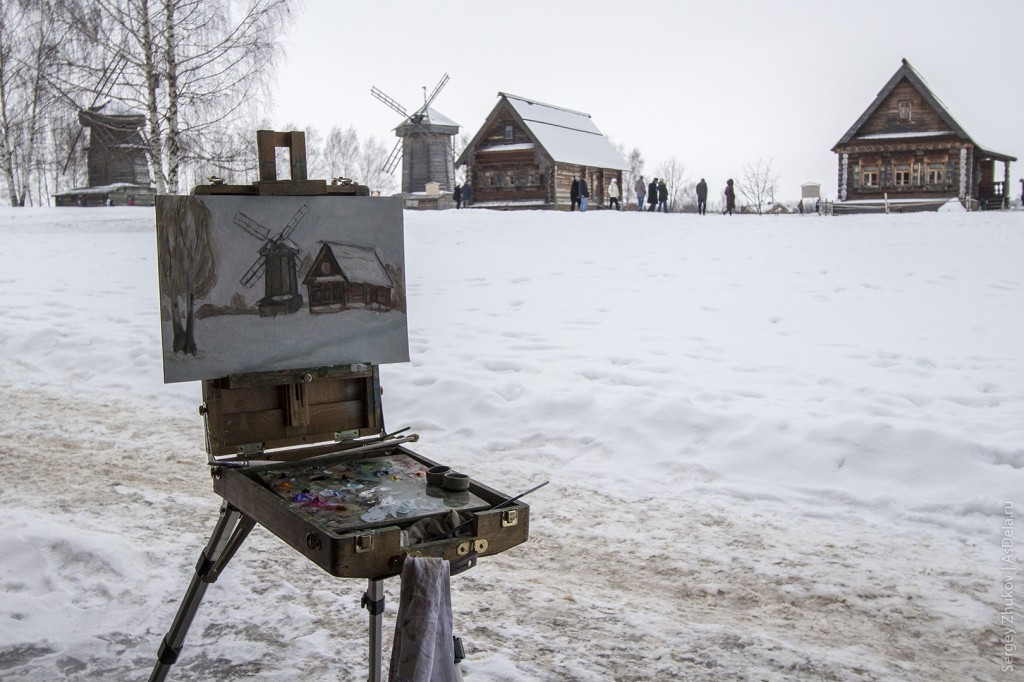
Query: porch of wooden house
point(991, 190)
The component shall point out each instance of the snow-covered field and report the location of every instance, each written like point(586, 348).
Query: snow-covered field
point(780, 448)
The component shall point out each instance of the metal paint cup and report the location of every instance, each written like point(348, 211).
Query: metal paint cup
point(456, 481)
point(435, 475)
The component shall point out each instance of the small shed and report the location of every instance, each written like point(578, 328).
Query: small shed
point(526, 154)
point(907, 150)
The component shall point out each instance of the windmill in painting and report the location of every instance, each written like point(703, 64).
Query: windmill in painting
point(277, 263)
point(424, 143)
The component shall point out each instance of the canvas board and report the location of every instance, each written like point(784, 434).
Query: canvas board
point(265, 283)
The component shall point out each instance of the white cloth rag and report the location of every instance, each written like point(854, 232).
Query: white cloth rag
point(424, 650)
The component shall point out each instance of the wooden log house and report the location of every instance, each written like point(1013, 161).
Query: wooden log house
point(116, 161)
point(344, 276)
point(907, 152)
point(526, 154)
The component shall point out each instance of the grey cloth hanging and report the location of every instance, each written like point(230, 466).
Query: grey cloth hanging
point(424, 650)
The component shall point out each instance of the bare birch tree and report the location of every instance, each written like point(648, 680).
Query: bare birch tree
point(371, 166)
point(28, 48)
point(759, 185)
point(673, 173)
point(341, 152)
point(195, 67)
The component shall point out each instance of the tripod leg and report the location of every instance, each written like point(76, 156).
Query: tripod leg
point(373, 601)
point(231, 530)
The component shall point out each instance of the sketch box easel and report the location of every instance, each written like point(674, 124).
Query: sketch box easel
point(304, 452)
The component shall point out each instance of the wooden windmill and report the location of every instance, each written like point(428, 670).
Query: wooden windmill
point(424, 143)
point(277, 263)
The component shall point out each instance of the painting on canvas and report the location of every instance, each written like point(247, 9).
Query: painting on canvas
point(264, 283)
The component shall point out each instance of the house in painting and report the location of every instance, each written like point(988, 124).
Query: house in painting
point(907, 152)
point(345, 276)
point(527, 152)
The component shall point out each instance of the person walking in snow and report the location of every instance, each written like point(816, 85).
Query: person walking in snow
point(702, 197)
point(458, 196)
point(613, 195)
point(467, 194)
point(652, 195)
point(584, 195)
point(574, 193)
point(641, 191)
point(730, 197)
point(662, 196)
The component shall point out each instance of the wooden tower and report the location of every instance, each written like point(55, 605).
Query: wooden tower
point(424, 144)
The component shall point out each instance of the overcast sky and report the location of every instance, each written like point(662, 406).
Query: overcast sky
point(714, 85)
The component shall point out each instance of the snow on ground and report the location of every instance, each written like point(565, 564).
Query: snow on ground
point(780, 448)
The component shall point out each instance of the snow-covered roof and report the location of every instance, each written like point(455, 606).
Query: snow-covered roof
point(567, 136)
point(360, 264)
point(431, 117)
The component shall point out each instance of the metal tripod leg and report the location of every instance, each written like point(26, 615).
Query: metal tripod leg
point(373, 601)
point(231, 530)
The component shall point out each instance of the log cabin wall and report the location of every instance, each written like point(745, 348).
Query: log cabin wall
point(904, 171)
point(519, 172)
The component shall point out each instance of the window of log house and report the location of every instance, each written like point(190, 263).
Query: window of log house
point(905, 111)
point(510, 132)
point(510, 179)
point(869, 176)
point(901, 174)
point(935, 173)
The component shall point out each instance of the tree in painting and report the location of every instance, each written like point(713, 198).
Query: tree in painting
point(188, 263)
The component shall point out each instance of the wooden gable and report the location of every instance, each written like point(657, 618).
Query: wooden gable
point(904, 106)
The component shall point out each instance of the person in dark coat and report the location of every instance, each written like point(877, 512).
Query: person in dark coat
point(702, 197)
point(652, 195)
point(584, 195)
point(467, 194)
point(458, 196)
point(574, 193)
point(662, 196)
point(730, 197)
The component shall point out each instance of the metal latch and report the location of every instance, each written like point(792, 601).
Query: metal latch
point(364, 543)
point(341, 436)
point(250, 449)
point(509, 517)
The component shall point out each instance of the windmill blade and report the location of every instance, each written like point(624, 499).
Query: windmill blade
point(251, 226)
point(388, 101)
point(437, 90)
point(293, 223)
point(253, 273)
point(393, 158)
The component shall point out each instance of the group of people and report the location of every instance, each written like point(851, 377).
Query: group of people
point(462, 195)
point(656, 194)
point(579, 195)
